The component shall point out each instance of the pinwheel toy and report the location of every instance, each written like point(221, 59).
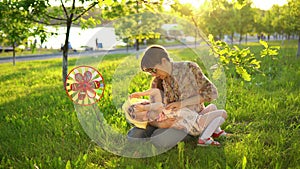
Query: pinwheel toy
point(84, 85)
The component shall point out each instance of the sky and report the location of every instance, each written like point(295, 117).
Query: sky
point(262, 4)
point(267, 4)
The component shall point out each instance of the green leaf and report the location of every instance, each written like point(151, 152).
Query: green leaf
point(223, 59)
point(107, 2)
point(217, 73)
point(263, 53)
point(256, 63)
point(273, 52)
point(85, 157)
point(236, 48)
point(264, 43)
point(245, 75)
point(210, 38)
point(68, 165)
point(244, 164)
point(245, 52)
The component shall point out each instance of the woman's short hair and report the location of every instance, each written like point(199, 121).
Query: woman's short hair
point(153, 56)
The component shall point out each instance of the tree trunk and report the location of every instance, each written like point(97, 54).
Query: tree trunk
point(65, 52)
point(14, 54)
point(136, 40)
point(195, 38)
point(241, 37)
point(298, 52)
point(127, 45)
point(137, 45)
point(232, 34)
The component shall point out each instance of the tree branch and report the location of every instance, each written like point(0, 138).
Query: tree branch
point(200, 34)
point(64, 8)
point(86, 10)
point(53, 17)
point(49, 24)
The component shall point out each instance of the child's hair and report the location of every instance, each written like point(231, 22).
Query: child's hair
point(128, 109)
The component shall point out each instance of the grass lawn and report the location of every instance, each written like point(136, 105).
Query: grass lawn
point(39, 127)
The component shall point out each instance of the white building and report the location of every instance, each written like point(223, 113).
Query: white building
point(78, 38)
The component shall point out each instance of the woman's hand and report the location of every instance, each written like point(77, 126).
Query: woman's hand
point(167, 123)
point(139, 107)
point(136, 95)
point(156, 107)
point(161, 117)
point(174, 106)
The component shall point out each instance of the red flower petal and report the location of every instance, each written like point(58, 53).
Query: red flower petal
point(91, 93)
point(87, 76)
point(75, 86)
point(78, 77)
point(81, 95)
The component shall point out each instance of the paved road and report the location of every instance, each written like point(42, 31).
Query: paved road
point(85, 53)
point(59, 55)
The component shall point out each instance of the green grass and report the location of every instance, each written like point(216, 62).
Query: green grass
point(39, 126)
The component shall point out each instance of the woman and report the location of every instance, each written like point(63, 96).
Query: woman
point(183, 84)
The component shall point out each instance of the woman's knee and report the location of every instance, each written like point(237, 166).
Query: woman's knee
point(136, 133)
point(167, 138)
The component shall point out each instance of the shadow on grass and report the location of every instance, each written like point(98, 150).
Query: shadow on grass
point(40, 127)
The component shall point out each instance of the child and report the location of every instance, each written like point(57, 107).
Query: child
point(205, 124)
